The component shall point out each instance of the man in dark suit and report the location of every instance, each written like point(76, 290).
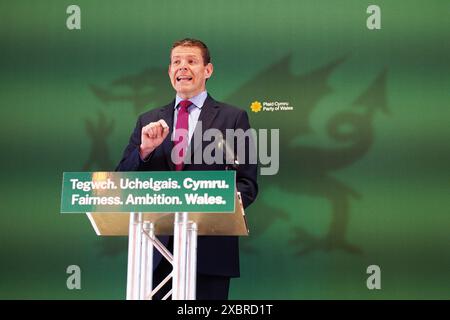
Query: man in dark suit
point(193, 112)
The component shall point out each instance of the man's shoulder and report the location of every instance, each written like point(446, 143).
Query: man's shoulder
point(155, 113)
point(228, 108)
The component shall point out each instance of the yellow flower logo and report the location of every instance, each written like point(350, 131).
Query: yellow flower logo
point(256, 106)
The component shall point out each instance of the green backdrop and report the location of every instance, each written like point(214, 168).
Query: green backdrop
point(364, 155)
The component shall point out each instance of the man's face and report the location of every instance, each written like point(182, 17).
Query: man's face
point(187, 72)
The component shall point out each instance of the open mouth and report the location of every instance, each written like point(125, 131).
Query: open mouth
point(184, 78)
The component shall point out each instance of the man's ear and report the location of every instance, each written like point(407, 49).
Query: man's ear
point(209, 70)
point(168, 70)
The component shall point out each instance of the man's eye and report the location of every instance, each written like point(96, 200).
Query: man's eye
point(176, 62)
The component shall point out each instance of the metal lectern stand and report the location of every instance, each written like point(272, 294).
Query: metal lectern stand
point(142, 229)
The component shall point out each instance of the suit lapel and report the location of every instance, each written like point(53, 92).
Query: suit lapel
point(208, 113)
point(166, 113)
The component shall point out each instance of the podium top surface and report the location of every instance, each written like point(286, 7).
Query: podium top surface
point(211, 224)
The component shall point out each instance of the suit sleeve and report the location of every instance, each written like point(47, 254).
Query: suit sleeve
point(131, 160)
point(246, 174)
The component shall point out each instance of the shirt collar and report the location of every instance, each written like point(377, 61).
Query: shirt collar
point(198, 100)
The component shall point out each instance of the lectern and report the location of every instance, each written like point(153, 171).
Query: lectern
point(147, 204)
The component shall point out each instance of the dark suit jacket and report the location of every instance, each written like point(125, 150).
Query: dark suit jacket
point(216, 255)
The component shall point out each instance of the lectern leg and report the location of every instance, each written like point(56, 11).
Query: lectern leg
point(134, 255)
point(179, 256)
point(184, 258)
point(141, 241)
point(146, 262)
point(191, 273)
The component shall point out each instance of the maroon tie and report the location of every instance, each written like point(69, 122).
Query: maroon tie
point(181, 132)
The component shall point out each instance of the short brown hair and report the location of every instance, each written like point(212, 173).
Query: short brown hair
point(188, 42)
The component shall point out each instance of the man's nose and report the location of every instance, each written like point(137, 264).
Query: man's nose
point(183, 65)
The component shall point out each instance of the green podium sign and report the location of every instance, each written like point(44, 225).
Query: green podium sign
point(148, 191)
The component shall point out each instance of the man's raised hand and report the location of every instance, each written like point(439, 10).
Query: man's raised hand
point(152, 135)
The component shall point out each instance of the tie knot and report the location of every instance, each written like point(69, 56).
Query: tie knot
point(185, 104)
